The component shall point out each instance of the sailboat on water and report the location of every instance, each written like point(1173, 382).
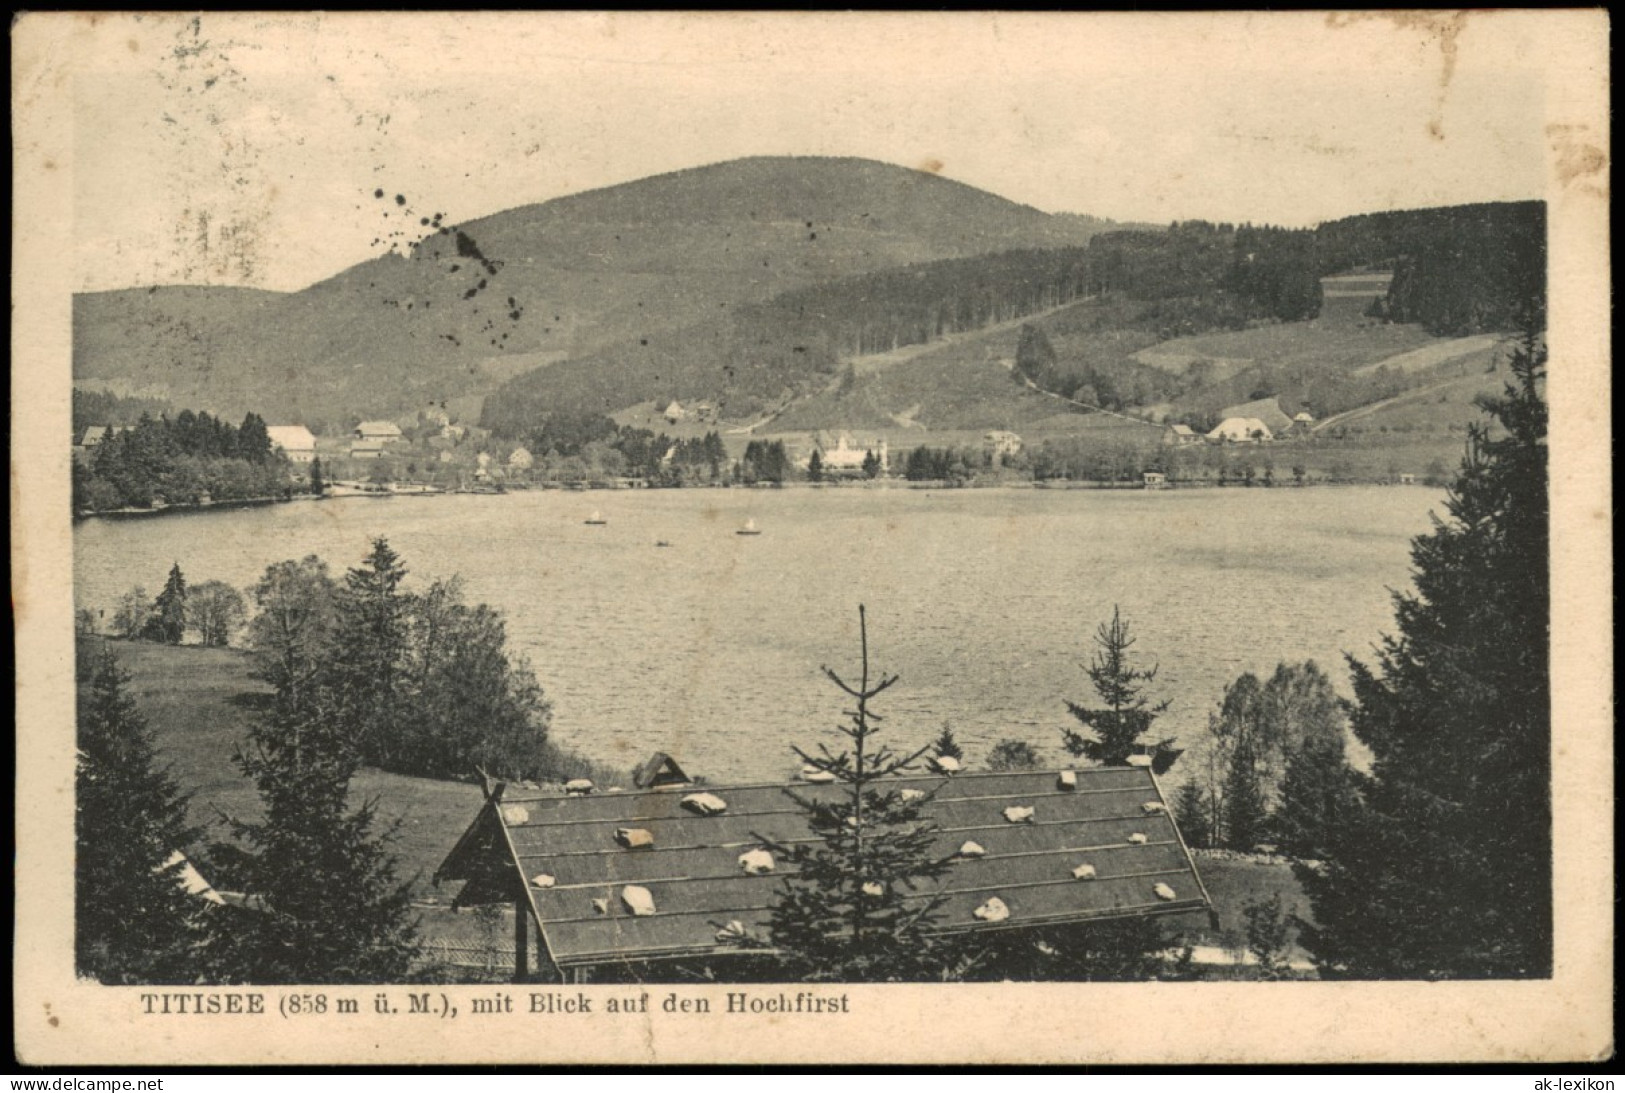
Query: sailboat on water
point(750, 528)
point(596, 518)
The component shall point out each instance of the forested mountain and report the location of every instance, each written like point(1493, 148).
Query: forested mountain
point(474, 302)
point(753, 284)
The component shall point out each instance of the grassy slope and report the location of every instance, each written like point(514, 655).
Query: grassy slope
point(198, 702)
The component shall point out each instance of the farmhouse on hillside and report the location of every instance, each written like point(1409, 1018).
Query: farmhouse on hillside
point(381, 432)
point(1176, 435)
point(1267, 410)
point(293, 441)
point(366, 449)
point(1241, 430)
point(677, 871)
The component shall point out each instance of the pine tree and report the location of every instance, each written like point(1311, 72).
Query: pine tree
point(133, 921)
point(1444, 868)
point(859, 906)
point(1127, 714)
point(324, 902)
point(871, 465)
point(318, 484)
point(170, 620)
point(815, 467)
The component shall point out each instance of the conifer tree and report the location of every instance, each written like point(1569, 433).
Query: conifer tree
point(1443, 870)
point(1193, 813)
point(170, 621)
point(324, 904)
point(1316, 796)
point(945, 746)
point(133, 920)
point(859, 906)
point(318, 484)
point(370, 640)
point(1126, 714)
point(1245, 810)
point(815, 467)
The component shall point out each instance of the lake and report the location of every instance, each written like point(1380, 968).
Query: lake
point(984, 602)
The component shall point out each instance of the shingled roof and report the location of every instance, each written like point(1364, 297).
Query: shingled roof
point(566, 859)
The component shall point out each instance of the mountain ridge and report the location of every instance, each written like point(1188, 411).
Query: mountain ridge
point(568, 276)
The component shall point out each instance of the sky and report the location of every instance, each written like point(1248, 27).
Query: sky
point(246, 149)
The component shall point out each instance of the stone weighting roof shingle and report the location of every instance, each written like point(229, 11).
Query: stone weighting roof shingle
point(653, 874)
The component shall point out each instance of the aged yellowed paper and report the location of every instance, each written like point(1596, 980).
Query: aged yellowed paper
point(271, 152)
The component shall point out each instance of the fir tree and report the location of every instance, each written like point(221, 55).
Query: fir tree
point(815, 467)
point(1316, 797)
point(1444, 868)
point(169, 622)
point(859, 906)
point(1245, 811)
point(1193, 812)
point(945, 746)
point(1127, 714)
point(371, 641)
point(324, 903)
point(133, 921)
point(318, 484)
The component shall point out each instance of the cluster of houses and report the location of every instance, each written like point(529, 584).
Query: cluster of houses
point(1258, 422)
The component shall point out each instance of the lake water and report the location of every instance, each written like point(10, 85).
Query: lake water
point(982, 601)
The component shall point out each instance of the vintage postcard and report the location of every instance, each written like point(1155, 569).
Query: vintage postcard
point(812, 538)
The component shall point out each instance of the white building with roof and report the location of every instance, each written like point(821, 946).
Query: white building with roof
point(1241, 430)
point(294, 441)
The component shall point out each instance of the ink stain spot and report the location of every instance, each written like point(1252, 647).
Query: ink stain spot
point(400, 199)
point(932, 166)
point(378, 193)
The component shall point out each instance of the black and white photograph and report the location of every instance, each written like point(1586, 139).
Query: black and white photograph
point(750, 538)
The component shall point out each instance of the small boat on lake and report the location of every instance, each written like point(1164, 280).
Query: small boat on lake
point(750, 528)
point(596, 518)
point(662, 543)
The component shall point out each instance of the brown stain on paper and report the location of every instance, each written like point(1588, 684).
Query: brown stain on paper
point(1444, 27)
point(1577, 159)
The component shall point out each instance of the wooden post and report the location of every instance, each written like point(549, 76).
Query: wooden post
point(521, 940)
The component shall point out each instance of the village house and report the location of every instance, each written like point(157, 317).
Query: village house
point(293, 441)
point(1001, 443)
point(366, 449)
point(1303, 423)
point(1266, 410)
point(380, 432)
point(674, 412)
point(1175, 436)
point(1155, 480)
point(674, 870)
point(95, 435)
point(846, 458)
point(1241, 430)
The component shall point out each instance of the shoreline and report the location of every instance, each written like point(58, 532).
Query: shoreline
point(887, 484)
